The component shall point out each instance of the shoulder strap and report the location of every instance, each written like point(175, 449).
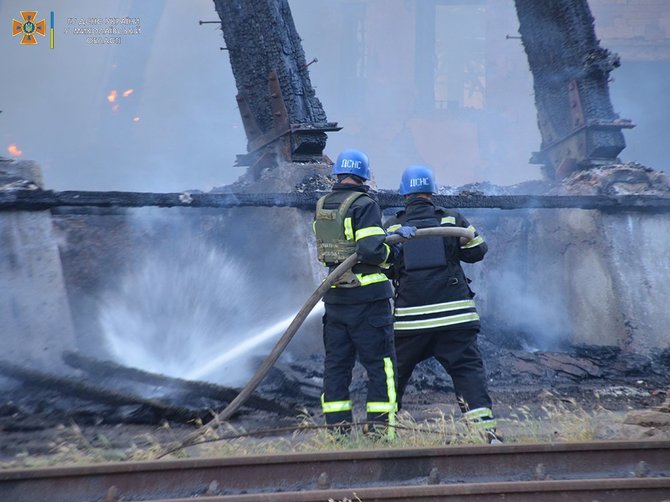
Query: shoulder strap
point(320, 202)
point(348, 202)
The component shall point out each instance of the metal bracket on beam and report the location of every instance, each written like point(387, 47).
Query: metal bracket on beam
point(284, 141)
point(590, 141)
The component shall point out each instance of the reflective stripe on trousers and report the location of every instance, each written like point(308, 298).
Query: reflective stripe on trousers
point(391, 406)
point(334, 406)
point(481, 418)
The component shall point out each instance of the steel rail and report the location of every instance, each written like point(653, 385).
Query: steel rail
point(34, 200)
point(601, 490)
point(342, 470)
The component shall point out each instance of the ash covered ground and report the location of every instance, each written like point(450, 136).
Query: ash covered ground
point(591, 377)
point(634, 388)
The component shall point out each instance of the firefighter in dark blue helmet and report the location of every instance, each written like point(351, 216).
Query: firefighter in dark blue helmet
point(434, 310)
point(358, 319)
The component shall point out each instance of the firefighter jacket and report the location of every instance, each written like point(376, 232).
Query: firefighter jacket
point(431, 289)
point(357, 229)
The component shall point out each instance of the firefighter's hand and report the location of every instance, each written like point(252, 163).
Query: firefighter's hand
point(406, 232)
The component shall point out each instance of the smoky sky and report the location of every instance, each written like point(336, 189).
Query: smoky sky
point(158, 112)
point(176, 128)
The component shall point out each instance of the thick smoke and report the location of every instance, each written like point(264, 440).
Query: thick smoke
point(177, 126)
point(521, 317)
point(639, 92)
point(188, 130)
point(369, 78)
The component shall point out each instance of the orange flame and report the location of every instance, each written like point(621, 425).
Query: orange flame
point(127, 93)
point(136, 119)
point(14, 150)
point(111, 97)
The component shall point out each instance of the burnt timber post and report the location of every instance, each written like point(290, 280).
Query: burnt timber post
point(570, 76)
point(283, 119)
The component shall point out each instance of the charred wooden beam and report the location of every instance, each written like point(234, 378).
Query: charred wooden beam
point(281, 114)
point(74, 387)
point(570, 73)
point(115, 387)
point(109, 373)
point(35, 200)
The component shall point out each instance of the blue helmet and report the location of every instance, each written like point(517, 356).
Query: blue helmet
point(352, 162)
point(417, 179)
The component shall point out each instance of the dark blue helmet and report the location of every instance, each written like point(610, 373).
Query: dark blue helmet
point(417, 179)
point(352, 162)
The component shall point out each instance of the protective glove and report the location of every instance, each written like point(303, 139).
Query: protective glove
point(406, 232)
point(395, 249)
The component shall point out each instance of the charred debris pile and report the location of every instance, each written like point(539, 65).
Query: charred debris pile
point(514, 372)
point(97, 392)
point(103, 392)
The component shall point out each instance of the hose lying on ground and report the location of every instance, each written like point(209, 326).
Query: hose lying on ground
point(302, 314)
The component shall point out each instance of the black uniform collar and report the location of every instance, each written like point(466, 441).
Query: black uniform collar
point(415, 204)
point(355, 188)
point(415, 200)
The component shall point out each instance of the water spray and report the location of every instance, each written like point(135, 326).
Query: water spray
point(183, 310)
point(246, 346)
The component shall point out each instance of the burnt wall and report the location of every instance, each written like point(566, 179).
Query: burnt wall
point(168, 290)
point(177, 287)
point(557, 278)
point(35, 323)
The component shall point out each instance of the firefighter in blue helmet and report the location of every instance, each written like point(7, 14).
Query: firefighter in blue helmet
point(358, 320)
point(434, 312)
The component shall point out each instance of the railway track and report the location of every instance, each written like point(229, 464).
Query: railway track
point(622, 470)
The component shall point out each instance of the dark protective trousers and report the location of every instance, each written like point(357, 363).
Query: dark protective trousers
point(364, 330)
point(457, 352)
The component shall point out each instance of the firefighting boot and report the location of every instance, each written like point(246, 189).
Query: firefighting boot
point(492, 437)
point(481, 421)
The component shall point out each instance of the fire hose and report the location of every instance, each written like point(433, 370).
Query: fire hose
point(464, 233)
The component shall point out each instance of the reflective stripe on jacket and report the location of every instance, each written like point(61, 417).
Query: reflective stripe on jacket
point(431, 289)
